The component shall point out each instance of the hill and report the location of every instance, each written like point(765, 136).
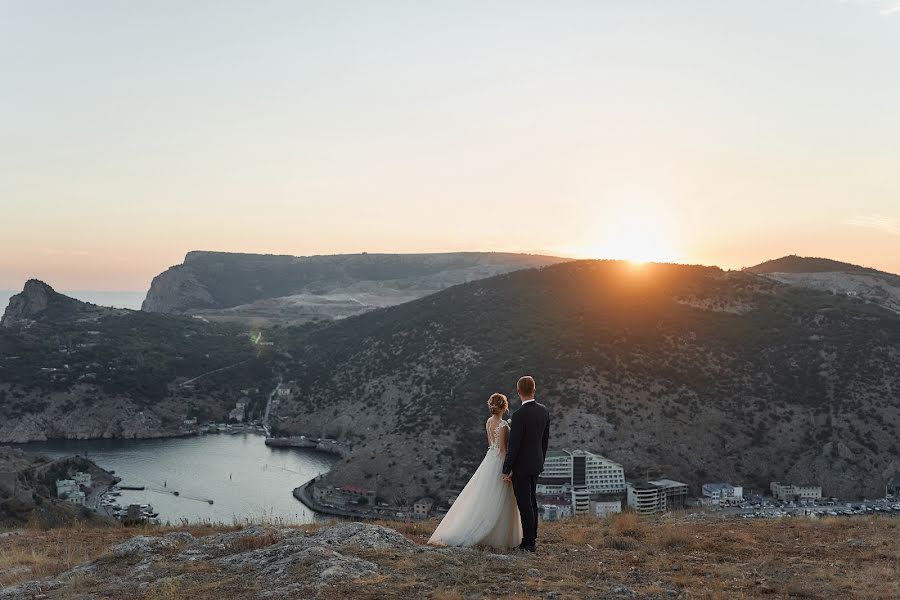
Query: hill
point(834, 277)
point(806, 264)
point(269, 289)
point(686, 371)
point(669, 557)
point(69, 369)
point(28, 491)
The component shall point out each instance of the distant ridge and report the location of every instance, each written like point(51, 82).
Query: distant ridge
point(824, 274)
point(808, 264)
point(269, 289)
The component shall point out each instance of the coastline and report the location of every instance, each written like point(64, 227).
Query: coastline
point(302, 494)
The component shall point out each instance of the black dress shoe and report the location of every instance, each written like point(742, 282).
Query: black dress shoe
point(528, 548)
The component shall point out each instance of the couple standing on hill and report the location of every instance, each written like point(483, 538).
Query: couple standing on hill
point(498, 507)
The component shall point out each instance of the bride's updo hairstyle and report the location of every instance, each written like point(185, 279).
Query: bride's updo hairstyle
point(497, 404)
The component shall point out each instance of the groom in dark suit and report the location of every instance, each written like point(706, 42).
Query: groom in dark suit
point(529, 434)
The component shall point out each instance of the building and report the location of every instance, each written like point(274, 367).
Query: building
point(555, 512)
point(645, 498)
point(342, 496)
point(83, 479)
point(648, 497)
point(70, 491)
point(892, 487)
point(722, 493)
point(422, 507)
point(566, 470)
point(238, 412)
point(76, 498)
point(789, 491)
point(603, 506)
point(64, 487)
point(676, 493)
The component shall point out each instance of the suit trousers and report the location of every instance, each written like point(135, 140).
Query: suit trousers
point(524, 489)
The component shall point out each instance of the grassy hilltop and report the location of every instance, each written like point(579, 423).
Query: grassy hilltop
point(665, 557)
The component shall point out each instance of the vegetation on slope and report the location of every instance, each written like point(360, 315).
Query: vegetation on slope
point(73, 355)
point(805, 264)
point(687, 371)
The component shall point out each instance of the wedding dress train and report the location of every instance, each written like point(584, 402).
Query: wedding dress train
point(485, 511)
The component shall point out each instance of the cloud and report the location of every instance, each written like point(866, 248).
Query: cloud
point(889, 225)
point(884, 7)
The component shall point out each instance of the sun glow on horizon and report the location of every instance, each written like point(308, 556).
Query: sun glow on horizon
point(638, 236)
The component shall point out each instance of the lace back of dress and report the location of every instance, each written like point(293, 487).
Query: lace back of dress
point(495, 440)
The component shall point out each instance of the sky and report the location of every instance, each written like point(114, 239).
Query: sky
point(708, 132)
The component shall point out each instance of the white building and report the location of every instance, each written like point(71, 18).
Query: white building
point(605, 508)
point(789, 491)
point(238, 412)
point(76, 498)
point(723, 493)
point(580, 470)
point(581, 500)
point(555, 512)
point(64, 487)
point(83, 479)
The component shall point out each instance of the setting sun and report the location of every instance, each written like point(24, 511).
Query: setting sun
point(640, 236)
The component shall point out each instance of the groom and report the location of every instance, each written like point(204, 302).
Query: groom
point(526, 449)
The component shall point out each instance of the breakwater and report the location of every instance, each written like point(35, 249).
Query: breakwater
point(321, 444)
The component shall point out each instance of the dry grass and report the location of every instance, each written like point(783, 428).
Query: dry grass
point(576, 558)
point(253, 542)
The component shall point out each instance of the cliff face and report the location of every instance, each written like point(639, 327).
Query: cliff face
point(175, 291)
point(287, 289)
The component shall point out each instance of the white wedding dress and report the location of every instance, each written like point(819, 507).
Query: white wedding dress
point(485, 511)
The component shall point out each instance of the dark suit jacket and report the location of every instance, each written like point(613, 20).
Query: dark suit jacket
point(529, 435)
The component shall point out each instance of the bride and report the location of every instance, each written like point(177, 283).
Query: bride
point(485, 511)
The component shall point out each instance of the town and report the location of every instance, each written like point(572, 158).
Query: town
point(578, 482)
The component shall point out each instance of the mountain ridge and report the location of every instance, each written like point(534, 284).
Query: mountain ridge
point(282, 289)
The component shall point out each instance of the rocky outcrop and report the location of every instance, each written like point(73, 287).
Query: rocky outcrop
point(32, 302)
point(279, 562)
point(38, 302)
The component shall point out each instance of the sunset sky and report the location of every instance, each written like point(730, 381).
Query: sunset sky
point(712, 131)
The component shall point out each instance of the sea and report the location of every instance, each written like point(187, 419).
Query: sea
point(247, 481)
point(116, 299)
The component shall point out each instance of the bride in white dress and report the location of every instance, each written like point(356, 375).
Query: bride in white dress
point(485, 511)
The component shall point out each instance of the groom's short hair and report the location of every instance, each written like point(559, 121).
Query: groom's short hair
point(525, 385)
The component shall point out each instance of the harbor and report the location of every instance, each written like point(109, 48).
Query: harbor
point(198, 479)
